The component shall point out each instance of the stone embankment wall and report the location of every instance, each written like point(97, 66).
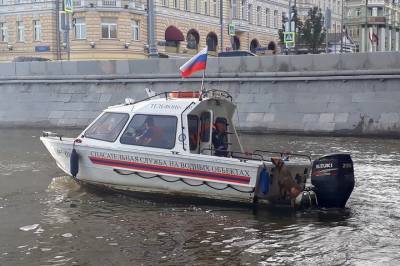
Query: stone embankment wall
point(356, 94)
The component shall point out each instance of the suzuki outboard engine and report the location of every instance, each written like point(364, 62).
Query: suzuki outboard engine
point(333, 178)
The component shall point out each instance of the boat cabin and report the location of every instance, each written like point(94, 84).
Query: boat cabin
point(181, 122)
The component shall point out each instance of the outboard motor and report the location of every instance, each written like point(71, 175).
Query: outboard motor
point(333, 178)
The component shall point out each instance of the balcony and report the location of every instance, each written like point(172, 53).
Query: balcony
point(241, 25)
point(377, 20)
point(109, 3)
point(136, 5)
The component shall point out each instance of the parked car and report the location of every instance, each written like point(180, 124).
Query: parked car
point(235, 53)
point(29, 59)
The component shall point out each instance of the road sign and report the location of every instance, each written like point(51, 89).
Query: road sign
point(68, 6)
point(231, 29)
point(288, 38)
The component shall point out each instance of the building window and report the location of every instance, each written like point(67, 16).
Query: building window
point(186, 4)
point(108, 28)
point(197, 6)
point(243, 10)
point(20, 31)
point(267, 18)
point(135, 30)
point(193, 39)
point(249, 13)
point(80, 29)
point(157, 131)
point(3, 32)
point(234, 8)
point(206, 8)
point(37, 31)
point(215, 8)
point(275, 18)
point(107, 127)
point(285, 18)
point(165, 2)
point(259, 15)
point(212, 41)
point(176, 4)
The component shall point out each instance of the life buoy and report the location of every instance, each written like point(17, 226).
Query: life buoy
point(184, 94)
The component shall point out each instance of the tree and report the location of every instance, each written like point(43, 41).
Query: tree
point(313, 30)
point(298, 23)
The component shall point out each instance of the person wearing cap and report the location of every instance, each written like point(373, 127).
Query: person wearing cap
point(220, 138)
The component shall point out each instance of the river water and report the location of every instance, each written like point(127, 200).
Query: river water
point(47, 219)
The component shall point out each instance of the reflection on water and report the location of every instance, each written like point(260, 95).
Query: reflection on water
point(49, 219)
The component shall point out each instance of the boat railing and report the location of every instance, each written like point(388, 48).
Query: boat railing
point(216, 94)
point(236, 154)
point(51, 134)
point(284, 154)
point(150, 97)
point(257, 154)
point(208, 93)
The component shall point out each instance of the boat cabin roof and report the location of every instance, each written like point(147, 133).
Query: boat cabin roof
point(175, 106)
point(165, 106)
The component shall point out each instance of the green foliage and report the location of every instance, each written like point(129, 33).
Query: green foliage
point(313, 33)
point(298, 30)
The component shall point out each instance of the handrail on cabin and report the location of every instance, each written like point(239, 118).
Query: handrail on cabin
point(202, 94)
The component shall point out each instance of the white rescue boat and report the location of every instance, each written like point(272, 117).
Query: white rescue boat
point(186, 144)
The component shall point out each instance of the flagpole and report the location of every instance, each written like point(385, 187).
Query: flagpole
point(202, 81)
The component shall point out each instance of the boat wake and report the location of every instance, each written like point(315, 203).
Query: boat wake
point(63, 184)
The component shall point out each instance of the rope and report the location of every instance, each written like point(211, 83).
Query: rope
point(183, 181)
point(249, 191)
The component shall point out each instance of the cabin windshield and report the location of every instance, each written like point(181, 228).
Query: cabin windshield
point(157, 131)
point(107, 127)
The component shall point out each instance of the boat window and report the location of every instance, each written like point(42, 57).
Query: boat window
point(107, 127)
point(205, 119)
point(193, 123)
point(156, 131)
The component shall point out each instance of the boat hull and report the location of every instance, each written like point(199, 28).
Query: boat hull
point(139, 171)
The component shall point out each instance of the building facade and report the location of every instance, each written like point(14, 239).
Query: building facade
point(374, 25)
point(335, 7)
point(185, 26)
point(100, 29)
point(117, 29)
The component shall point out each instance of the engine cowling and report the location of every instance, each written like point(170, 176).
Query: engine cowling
point(333, 178)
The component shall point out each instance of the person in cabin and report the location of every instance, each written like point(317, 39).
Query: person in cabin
point(150, 135)
point(220, 138)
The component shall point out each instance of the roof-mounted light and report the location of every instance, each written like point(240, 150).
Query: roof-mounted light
point(129, 101)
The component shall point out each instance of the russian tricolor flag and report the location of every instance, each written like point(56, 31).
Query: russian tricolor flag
point(196, 63)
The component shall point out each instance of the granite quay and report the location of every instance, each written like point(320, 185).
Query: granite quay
point(353, 94)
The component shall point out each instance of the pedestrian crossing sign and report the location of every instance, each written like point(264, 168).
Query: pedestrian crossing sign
point(289, 37)
point(231, 29)
point(68, 6)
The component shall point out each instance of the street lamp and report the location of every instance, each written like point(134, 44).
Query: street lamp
point(151, 29)
point(341, 30)
point(366, 26)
